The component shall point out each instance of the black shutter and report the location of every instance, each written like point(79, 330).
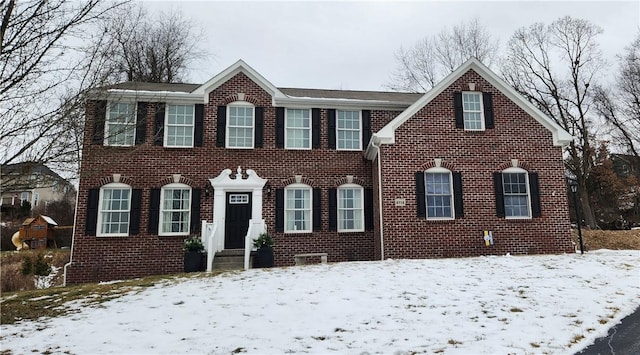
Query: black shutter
point(279, 127)
point(534, 189)
point(315, 128)
point(222, 126)
point(279, 210)
point(331, 129)
point(259, 130)
point(99, 117)
point(488, 110)
point(368, 209)
point(457, 195)
point(457, 107)
point(195, 210)
point(333, 209)
point(198, 132)
point(154, 211)
point(141, 123)
point(134, 213)
point(158, 136)
point(317, 210)
point(366, 128)
point(497, 185)
point(421, 202)
point(91, 220)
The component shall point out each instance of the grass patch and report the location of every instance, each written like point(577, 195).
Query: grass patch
point(51, 302)
point(534, 345)
point(515, 310)
point(576, 339)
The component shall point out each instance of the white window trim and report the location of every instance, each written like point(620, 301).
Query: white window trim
point(350, 187)
point(253, 124)
point(482, 127)
point(113, 185)
point(526, 182)
point(347, 129)
point(166, 125)
point(298, 186)
point(161, 219)
point(439, 170)
point(106, 124)
point(286, 128)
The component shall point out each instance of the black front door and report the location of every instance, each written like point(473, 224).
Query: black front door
point(237, 219)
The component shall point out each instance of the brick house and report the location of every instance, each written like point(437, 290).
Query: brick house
point(358, 175)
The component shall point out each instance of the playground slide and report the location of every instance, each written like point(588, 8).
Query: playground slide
point(19, 244)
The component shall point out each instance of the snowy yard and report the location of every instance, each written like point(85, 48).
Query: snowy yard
point(505, 304)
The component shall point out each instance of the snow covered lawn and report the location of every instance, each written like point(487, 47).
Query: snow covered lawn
point(505, 304)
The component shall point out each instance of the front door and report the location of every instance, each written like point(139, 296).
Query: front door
point(238, 213)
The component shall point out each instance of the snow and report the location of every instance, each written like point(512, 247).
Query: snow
point(483, 305)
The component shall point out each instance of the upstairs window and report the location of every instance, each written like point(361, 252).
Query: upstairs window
point(175, 213)
point(240, 126)
point(298, 129)
point(120, 127)
point(472, 111)
point(114, 208)
point(179, 126)
point(349, 130)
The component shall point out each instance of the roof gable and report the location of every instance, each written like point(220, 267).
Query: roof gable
point(238, 67)
point(386, 135)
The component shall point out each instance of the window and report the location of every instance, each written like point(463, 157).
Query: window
point(297, 208)
point(179, 126)
point(114, 208)
point(473, 111)
point(438, 187)
point(24, 196)
point(516, 193)
point(120, 128)
point(240, 126)
point(350, 208)
point(175, 213)
point(298, 129)
point(348, 130)
point(36, 196)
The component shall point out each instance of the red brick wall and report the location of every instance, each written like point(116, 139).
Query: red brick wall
point(431, 134)
point(107, 258)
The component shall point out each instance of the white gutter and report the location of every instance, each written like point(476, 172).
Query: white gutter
point(73, 235)
point(377, 148)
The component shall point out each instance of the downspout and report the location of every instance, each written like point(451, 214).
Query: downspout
point(73, 236)
point(377, 147)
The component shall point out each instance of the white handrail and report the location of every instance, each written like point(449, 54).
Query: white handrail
point(256, 227)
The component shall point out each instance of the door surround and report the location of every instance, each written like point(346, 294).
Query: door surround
point(224, 183)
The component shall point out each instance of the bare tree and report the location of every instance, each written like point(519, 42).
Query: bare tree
point(41, 76)
point(620, 105)
point(140, 47)
point(432, 58)
point(556, 68)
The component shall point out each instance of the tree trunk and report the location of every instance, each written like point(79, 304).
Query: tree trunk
point(586, 213)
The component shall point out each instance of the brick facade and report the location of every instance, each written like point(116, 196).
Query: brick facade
point(430, 134)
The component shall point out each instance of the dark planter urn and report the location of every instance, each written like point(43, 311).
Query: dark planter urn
point(263, 257)
point(193, 261)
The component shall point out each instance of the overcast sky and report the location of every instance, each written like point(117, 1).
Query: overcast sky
point(351, 45)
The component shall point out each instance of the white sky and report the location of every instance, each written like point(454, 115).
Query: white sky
point(351, 45)
point(543, 304)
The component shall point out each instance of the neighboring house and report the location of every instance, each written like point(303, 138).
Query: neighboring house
point(358, 175)
point(34, 183)
point(628, 166)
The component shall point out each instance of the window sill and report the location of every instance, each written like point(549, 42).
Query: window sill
point(439, 221)
point(519, 219)
point(112, 236)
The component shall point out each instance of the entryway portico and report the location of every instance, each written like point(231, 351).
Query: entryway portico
point(237, 200)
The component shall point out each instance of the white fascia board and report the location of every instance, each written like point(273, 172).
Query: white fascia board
point(319, 102)
point(560, 136)
point(150, 96)
point(238, 67)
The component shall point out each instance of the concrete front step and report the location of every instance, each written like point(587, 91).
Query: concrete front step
point(229, 259)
